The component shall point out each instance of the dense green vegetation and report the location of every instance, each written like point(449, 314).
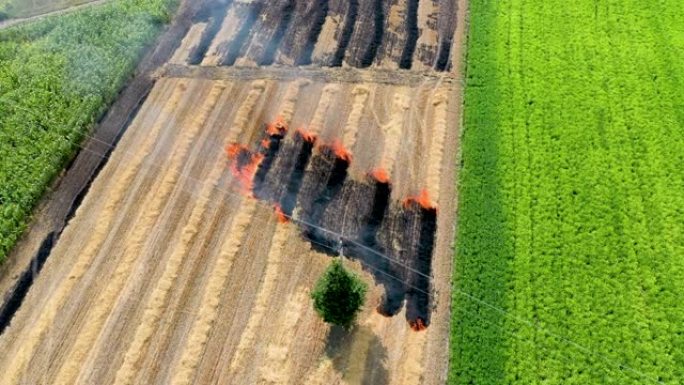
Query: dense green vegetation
point(27, 8)
point(57, 76)
point(339, 295)
point(570, 257)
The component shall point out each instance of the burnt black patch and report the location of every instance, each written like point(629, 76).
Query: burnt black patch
point(378, 32)
point(270, 151)
point(321, 10)
point(212, 13)
point(237, 46)
point(411, 34)
point(289, 198)
point(443, 63)
point(418, 298)
point(354, 217)
point(21, 288)
point(346, 35)
point(285, 19)
point(314, 208)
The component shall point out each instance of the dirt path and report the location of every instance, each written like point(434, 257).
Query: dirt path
point(336, 74)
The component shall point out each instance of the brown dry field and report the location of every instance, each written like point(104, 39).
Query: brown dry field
point(171, 273)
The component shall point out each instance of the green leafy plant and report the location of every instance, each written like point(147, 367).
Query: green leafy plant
point(57, 76)
point(570, 251)
point(339, 295)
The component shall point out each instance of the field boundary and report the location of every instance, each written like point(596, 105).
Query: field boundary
point(319, 74)
point(64, 196)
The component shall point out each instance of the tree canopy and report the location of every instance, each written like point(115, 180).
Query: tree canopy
point(339, 295)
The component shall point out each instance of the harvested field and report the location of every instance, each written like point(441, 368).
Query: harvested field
point(191, 257)
point(171, 266)
point(359, 33)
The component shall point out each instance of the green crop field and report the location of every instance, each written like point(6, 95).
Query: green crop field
point(57, 76)
point(570, 256)
point(27, 8)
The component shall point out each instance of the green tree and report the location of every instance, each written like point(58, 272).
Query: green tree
point(339, 295)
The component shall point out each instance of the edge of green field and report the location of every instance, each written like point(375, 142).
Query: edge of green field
point(57, 77)
point(570, 246)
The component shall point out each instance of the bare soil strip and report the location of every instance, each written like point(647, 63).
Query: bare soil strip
point(189, 43)
point(347, 75)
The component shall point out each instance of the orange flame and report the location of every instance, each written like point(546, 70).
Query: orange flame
point(306, 135)
point(340, 151)
point(282, 218)
point(233, 149)
point(423, 199)
point(380, 174)
point(418, 324)
point(265, 143)
point(277, 127)
point(245, 174)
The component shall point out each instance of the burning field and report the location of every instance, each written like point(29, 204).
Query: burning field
point(191, 258)
point(407, 34)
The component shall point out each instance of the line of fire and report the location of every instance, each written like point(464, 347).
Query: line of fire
point(307, 181)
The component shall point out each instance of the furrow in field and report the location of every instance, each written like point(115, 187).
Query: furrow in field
point(219, 46)
point(153, 208)
point(51, 353)
point(316, 125)
point(351, 128)
point(436, 153)
point(260, 307)
point(326, 43)
point(242, 38)
point(208, 310)
point(392, 131)
point(289, 102)
point(189, 44)
point(345, 35)
point(156, 305)
point(412, 33)
point(277, 363)
point(19, 361)
point(244, 113)
point(426, 45)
